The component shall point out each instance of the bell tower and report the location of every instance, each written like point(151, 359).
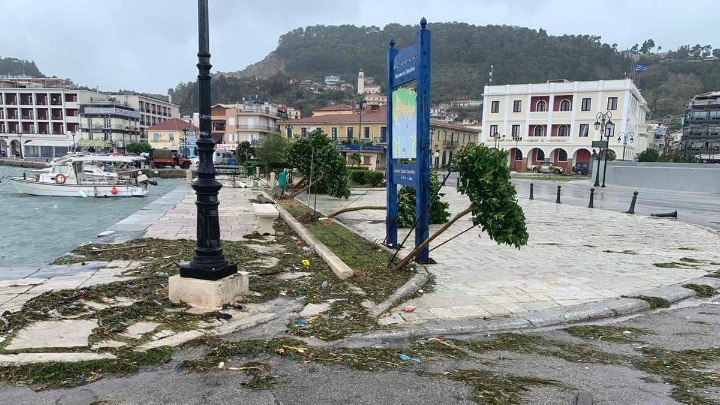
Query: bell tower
point(361, 81)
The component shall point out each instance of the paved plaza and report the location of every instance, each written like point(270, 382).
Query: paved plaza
point(574, 256)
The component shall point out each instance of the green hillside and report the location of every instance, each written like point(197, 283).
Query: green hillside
point(462, 55)
point(14, 67)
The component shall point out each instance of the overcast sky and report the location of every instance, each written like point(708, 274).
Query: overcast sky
point(151, 45)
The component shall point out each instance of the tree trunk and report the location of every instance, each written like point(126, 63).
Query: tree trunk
point(298, 192)
point(364, 207)
point(404, 262)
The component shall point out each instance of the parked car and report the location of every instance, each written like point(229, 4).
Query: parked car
point(548, 167)
point(581, 168)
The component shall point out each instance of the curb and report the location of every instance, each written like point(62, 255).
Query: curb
point(342, 270)
point(609, 308)
point(406, 290)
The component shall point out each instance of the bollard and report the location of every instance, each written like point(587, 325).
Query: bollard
point(665, 215)
point(531, 191)
point(592, 197)
point(557, 200)
point(188, 176)
point(632, 204)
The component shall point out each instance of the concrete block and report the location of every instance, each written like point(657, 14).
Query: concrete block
point(266, 214)
point(209, 293)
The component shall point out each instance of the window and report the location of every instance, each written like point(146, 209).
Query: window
point(366, 132)
point(584, 128)
point(539, 155)
point(539, 131)
point(562, 155)
point(495, 107)
point(349, 132)
point(303, 132)
point(516, 131)
point(565, 105)
point(289, 131)
point(612, 103)
point(156, 137)
point(715, 115)
point(493, 130)
point(700, 115)
point(172, 137)
point(586, 103)
point(541, 106)
point(383, 134)
point(333, 133)
point(517, 104)
point(366, 160)
point(563, 130)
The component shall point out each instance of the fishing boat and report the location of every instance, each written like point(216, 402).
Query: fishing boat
point(69, 178)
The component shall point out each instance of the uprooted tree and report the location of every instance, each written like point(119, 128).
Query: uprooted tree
point(317, 154)
point(439, 210)
point(484, 176)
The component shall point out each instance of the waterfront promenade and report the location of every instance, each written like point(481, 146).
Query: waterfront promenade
point(574, 256)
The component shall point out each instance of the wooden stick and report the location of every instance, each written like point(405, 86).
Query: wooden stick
point(364, 207)
point(404, 262)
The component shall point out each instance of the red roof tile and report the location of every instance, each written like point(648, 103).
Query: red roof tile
point(173, 124)
point(336, 107)
point(369, 116)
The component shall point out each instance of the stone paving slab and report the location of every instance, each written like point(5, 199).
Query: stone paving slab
point(54, 334)
point(29, 358)
point(574, 256)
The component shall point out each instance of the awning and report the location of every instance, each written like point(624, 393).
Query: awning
point(43, 142)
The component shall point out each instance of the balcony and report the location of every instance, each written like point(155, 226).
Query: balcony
point(380, 141)
point(451, 144)
point(264, 128)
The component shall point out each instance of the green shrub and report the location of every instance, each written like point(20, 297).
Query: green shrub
point(374, 179)
point(360, 168)
point(358, 176)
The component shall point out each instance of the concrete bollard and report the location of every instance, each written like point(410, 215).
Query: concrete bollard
point(557, 200)
point(272, 179)
point(592, 197)
point(531, 191)
point(632, 204)
point(188, 176)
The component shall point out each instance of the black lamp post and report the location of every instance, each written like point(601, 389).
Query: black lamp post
point(625, 138)
point(184, 143)
point(496, 137)
point(517, 139)
point(209, 262)
point(604, 124)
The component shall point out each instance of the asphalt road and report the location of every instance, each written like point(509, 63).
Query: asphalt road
point(696, 208)
point(691, 327)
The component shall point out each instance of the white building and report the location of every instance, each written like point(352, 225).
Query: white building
point(554, 121)
point(153, 109)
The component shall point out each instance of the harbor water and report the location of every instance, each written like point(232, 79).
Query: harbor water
point(36, 230)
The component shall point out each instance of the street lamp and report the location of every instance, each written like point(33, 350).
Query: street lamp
point(624, 138)
point(184, 143)
point(517, 138)
point(209, 262)
point(72, 133)
point(497, 138)
point(604, 124)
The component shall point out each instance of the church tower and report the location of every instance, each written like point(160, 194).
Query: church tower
point(361, 81)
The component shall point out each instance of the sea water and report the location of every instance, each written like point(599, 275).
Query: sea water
point(35, 229)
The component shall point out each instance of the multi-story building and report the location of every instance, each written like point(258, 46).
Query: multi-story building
point(366, 134)
point(107, 125)
point(41, 116)
point(153, 109)
point(554, 121)
point(174, 134)
point(239, 122)
point(701, 129)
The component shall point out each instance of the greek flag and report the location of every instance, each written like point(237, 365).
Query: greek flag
point(640, 68)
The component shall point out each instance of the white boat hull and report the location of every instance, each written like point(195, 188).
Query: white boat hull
point(30, 186)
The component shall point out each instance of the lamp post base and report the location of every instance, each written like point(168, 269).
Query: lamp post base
point(204, 273)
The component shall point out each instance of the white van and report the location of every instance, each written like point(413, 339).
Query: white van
point(221, 157)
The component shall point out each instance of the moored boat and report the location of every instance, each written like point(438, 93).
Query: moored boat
point(70, 178)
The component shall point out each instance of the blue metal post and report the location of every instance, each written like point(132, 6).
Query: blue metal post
point(391, 228)
point(422, 231)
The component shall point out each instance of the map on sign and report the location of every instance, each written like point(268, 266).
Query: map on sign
point(404, 122)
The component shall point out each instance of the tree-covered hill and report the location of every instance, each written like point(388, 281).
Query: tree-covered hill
point(14, 67)
point(462, 55)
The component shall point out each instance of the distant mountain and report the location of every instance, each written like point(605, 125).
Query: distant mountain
point(461, 58)
point(16, 67)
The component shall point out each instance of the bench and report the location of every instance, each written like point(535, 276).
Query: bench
point(266, 214)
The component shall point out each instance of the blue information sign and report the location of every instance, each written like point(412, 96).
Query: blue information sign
point(408, 124)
